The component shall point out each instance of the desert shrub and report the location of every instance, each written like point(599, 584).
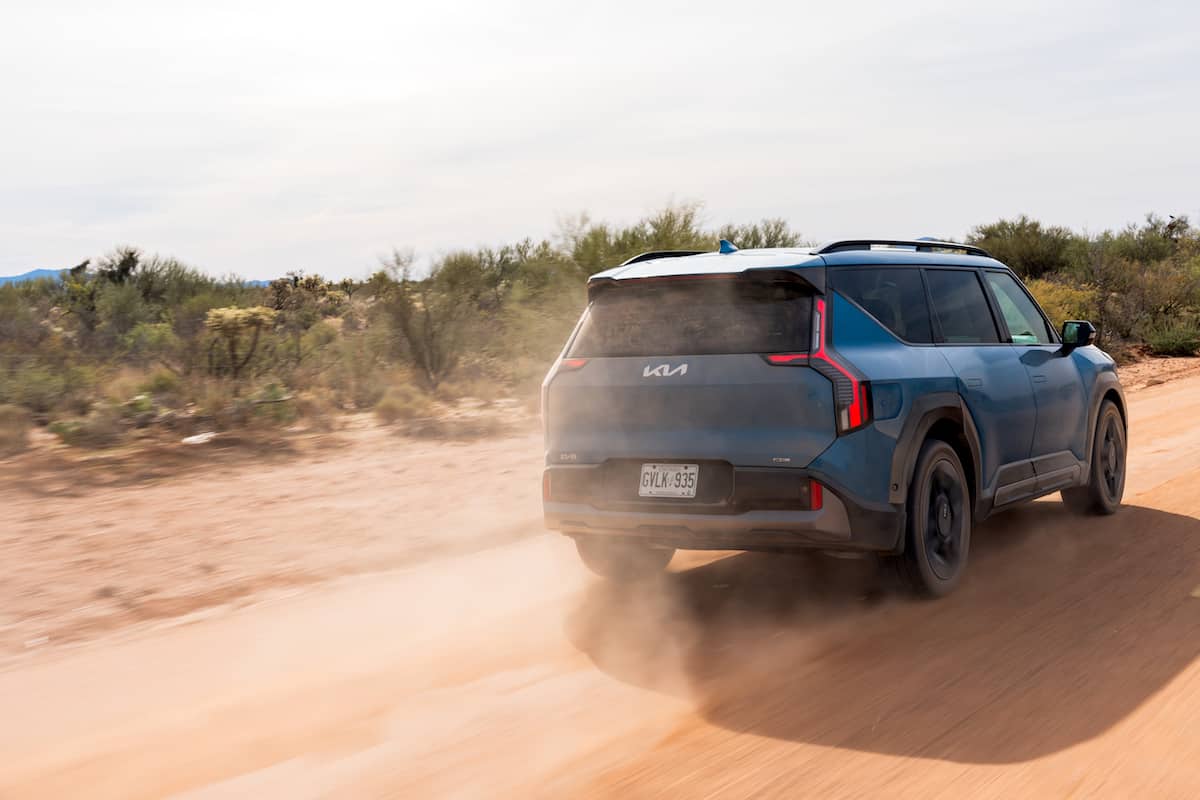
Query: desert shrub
point(37, 387)
point(1062, 301)
point(102, 427)
point(161, 382)
point(14, 429)
point(479, 426)
point(1032, 249)
point(238, 331)
point(1176, 339)
point(213, 397)
point(357, 374)
point(121, 309)
point(478, 323)
point(273, 405)
point(403, 402)
point(438, 319)
point(154, 343)
point(477, 388)
point(138, 404)
point(317, 409)
point(47, 387)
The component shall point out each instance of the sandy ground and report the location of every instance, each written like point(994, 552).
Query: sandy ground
point(384, 618)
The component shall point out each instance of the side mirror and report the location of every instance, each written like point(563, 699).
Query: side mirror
point(1078, 333)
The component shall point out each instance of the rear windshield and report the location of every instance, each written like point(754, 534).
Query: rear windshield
point(697, 317)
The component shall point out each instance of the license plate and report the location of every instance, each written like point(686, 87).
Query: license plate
point(669, 480)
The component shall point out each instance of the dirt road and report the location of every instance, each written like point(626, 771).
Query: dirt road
point(462, 653)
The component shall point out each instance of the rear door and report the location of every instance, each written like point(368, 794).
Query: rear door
point(992, 379)
point(675, 370)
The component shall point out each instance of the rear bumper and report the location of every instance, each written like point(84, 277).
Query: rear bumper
point(840, 524)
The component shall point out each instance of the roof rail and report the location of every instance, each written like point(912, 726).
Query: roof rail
point(920, 245)
point(660, 254)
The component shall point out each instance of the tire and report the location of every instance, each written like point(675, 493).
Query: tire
point(622, 560)
point(939, 522)
point(1106, 473)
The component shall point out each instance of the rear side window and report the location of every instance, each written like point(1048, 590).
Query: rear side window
point(893, 295)
point(1025, 323)
point(696, 317)
point(961, 307)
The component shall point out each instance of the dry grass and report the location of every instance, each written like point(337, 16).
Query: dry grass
point(14, 430)
point(403, 402)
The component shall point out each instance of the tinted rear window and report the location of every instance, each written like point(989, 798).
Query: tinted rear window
point(961, 308)
point(893, 295)
point(699, 317)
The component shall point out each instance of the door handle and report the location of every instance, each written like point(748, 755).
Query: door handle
point(974, 383)
point(1039, 378)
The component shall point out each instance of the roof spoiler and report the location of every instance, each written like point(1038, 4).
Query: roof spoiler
point(919, 245)
point(653, 254)
point(814, 280)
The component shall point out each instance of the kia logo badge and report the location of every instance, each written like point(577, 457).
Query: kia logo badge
point(663, 371)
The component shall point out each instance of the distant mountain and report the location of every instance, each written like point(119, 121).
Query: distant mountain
point(32, 275)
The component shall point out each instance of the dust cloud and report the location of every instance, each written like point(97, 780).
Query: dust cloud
point(443, 645)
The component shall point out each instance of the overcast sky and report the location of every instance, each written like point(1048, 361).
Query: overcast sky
point(261, 137)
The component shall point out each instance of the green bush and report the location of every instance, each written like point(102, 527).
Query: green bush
point(102, 427)
point(161, 382)
point(318, 410)
point(274, 405)
point(482, 323)
point(1062, 301)
point(1179, 339)
point(37, 387)
point(14, 429)
point(357, 374)
point(403, 403)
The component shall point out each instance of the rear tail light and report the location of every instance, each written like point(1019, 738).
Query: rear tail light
point(787, 359)
point(572, 363)
point(546, 492)
point(816, 495)
point(851, 394)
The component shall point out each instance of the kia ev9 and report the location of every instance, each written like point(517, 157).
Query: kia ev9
point(871, 396)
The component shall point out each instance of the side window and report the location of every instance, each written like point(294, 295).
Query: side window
point(1025, 323)
point(961, 307)
point(893, 295)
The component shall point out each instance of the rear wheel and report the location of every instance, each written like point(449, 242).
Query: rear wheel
point(1106, 475)
point(622, 560)
point(939, 522)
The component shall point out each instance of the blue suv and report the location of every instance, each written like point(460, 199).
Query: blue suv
point(870, 395)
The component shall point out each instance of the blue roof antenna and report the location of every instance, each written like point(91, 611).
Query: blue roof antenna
point(727, 247)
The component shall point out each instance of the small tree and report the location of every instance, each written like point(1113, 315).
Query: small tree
point(239, 329)
point(767, 233)
point(1033, 250)
point(427, 314)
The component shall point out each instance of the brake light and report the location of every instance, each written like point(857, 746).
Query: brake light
point(787, 359)
point(546, 485)
point(852, 396)
point(815, 495)
point(572, 363)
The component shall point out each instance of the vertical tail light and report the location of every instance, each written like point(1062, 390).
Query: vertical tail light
point(851, 394)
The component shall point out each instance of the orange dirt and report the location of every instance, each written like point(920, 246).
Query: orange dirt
point(387, 619)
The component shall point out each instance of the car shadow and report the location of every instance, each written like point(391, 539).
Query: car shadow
point(1063, 627)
